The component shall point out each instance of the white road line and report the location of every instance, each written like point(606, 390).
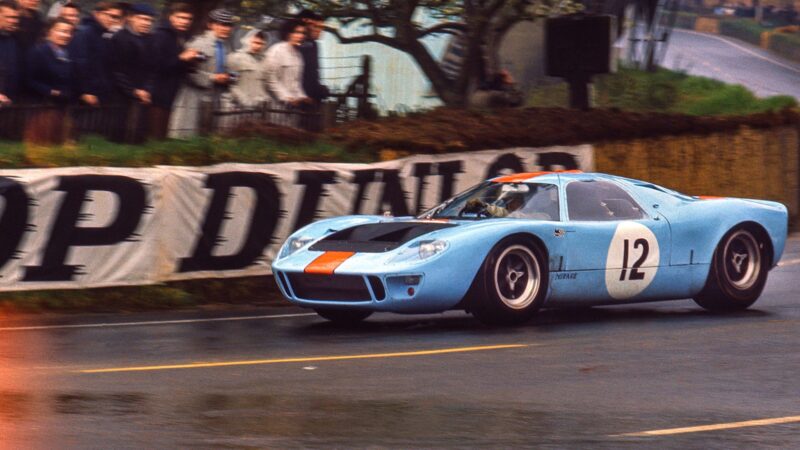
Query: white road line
point(789, 262)
point(154, 322)
point(744, 49)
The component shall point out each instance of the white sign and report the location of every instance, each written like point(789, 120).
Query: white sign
point(94, 227)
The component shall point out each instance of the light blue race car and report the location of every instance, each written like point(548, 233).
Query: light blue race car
point(511, 245)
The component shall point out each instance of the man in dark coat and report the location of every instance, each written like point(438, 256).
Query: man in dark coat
point(173, 61)
point(132, 67)
point(10, 56)
point(310, 50)
point(31, 24)
point(90, 50)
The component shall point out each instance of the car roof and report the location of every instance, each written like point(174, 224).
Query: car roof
point(554, 176)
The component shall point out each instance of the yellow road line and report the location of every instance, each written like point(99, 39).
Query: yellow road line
point(713, 427)
point(200, 365)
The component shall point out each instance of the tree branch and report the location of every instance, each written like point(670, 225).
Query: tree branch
point(442, 28)
point(378, 38)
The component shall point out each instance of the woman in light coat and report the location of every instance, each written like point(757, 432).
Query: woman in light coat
point(285, 74)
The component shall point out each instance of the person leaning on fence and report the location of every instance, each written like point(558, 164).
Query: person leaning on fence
point(249, 91)
point(131, 61)
point(206, 89)
point(31, 24)
point(315, 24)
point(173, 61)
point(285, 75)
point(51, 81)
point(10, 55)
point(90, 49)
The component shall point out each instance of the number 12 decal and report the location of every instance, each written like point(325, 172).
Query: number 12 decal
point(634, 274)
point(632, 260)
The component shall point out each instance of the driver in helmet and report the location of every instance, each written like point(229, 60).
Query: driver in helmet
point(506, 203)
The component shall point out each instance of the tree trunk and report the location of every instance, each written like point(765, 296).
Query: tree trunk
point(759, 7)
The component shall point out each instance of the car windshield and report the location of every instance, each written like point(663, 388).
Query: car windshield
point(491, 200)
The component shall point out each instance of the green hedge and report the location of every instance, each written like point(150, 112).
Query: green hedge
point(786, 45)
point(745, 29)
point(685, 20)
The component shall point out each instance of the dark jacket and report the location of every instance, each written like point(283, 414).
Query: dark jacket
point(131, 62)
point(168, 44)
point(31, 30)
point(47, 72)
point(311, 84)
point(30, 34)
point(90, 50)
point(10, 63)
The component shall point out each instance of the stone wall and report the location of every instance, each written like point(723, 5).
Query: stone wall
point(748, 163)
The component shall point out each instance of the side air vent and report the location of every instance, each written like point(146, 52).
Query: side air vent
point(377, 287)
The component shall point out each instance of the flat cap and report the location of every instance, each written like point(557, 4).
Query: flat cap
point(222, 16)
point(143, 9)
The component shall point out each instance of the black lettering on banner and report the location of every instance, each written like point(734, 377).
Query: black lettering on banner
point(549, 160)
point(362, 179)
point(448, 170)
point(66, 233)
point(635, 274)
point(14, 221)
point(260, 233)
point(506, 162)
point(392, 193)
point(314, 182)
point(420, 172)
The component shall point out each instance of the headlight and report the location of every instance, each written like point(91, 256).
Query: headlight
point(419, 251)
point(431, 248)
point(294, 244)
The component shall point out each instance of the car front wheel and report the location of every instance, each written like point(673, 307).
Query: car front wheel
point(512, 283)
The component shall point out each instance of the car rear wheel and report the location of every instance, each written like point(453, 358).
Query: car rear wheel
point(512, 283)
point(738, 272)
point(344, 316)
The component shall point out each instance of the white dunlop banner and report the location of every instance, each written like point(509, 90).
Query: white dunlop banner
point(95, 227)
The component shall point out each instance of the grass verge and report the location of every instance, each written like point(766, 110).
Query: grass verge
point(95, 151)
point(255, 291)
point(666, 91)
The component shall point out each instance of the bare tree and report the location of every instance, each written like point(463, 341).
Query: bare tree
point(481, 23)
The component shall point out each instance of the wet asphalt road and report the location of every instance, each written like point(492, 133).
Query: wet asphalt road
point(572, 379)
point(732, 61)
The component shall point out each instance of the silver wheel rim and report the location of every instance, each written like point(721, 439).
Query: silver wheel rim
point(517, 277)
point(742, 260)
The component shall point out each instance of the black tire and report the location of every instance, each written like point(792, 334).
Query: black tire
point(511, 284)
point(738, 272)
point(344, 316)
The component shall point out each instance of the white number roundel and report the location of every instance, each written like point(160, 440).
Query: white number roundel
point(632, 260)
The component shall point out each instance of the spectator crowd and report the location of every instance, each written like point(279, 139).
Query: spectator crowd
point(156, 76)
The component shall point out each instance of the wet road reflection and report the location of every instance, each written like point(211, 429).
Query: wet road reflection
point(19, 353)
point(581, 379)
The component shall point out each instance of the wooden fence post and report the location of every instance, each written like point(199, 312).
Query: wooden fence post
point(206, 118)
point(364, 107)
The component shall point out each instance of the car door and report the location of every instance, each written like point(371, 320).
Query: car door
point(615, 243)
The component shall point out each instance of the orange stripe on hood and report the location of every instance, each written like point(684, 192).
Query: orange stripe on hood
point(327, 262)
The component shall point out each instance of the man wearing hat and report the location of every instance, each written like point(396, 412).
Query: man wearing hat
point(131, 66)
point(207, 85)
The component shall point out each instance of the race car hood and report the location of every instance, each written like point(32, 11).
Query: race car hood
point(377, 237)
